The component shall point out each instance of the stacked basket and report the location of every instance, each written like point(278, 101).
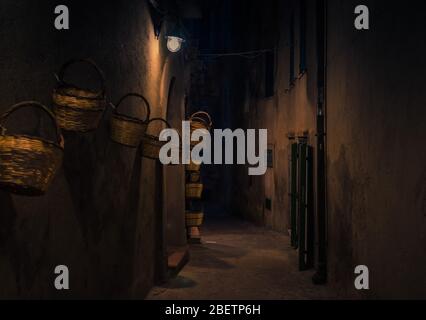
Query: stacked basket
point(194, 186)
point(194, 189)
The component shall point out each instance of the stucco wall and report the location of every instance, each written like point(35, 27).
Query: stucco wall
point(291, 111)
point(375, 136)
point(99, 217)
point(376, 130)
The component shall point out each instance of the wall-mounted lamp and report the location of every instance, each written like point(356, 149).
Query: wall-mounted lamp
point(174, 43)
point(162, 16)
point(175, 39)
point(175, 35)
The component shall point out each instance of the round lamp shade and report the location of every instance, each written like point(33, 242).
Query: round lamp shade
point(174, 44)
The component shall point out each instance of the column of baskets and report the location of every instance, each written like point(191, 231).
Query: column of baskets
point(194, 186)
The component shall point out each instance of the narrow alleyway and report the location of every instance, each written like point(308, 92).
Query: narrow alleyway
point(305, 115)
point(240, 261)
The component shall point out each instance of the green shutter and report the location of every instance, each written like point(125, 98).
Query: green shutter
point(310, 219)
point(293, 195)
point(302, 205)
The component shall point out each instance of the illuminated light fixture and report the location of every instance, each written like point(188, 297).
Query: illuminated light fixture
point(174, 43)
point(175, 38)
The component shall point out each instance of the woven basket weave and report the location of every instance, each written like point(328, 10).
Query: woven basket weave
point(200, 120)
point(150, 144)
point(192, 166)
point(193, 176)
point(78, 109)
point(194, 219)
point(127, 130)
point(28, 164)
point(194, 190)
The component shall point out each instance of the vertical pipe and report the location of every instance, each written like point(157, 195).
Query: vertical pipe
point(321, 275)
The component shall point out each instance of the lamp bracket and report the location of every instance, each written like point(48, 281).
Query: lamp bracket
point(158, 14)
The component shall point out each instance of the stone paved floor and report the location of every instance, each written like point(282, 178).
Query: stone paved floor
point(240, 261)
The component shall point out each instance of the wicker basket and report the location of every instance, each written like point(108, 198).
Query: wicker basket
point(200, 120)
point(194, 190)
point(127, 130)
point(193, 176)
point(151, 145)
point(28, 164)
point(192, 166)
point(78, 109)
point(193, 218)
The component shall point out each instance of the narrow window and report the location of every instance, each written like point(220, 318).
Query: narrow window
point(268, 204)
point(270, 158)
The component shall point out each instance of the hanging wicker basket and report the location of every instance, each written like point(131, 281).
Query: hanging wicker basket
point(194, 190)
point(200, 120)
point(127, 130)
point(27, 163)
point(151, 145)
point(194, 218)
point(78, 109)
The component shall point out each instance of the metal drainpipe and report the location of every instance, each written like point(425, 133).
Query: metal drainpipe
point(320, 276)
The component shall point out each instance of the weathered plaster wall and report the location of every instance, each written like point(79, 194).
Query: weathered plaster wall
point(100, 216)
point(375, 135)
point(291, 111)
point(376, 131)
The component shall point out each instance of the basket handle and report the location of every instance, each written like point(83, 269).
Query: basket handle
point(203, 117)
point(34, 104)
point(148, 109)
point(60, 76)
